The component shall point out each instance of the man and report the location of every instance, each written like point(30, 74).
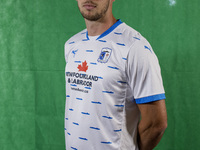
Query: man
point(114, 91)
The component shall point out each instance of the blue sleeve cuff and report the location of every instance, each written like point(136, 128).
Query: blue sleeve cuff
point(150, 99)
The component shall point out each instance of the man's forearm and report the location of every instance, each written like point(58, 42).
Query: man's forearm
point(149, 137)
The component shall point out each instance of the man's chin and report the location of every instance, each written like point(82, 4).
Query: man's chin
point(91, 18)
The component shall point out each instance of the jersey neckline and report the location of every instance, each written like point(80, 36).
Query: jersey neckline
point(107, 31)
point(93, 38)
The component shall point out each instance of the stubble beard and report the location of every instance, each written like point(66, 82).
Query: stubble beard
point(97, 15)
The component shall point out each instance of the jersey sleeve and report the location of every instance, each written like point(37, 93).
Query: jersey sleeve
point(66, 51)
point(144, 74)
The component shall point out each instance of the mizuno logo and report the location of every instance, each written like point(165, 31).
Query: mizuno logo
point(74, 52)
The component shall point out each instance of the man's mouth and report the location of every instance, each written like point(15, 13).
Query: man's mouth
point(89, 6)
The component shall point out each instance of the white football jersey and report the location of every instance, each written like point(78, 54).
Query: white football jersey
point(106, 77)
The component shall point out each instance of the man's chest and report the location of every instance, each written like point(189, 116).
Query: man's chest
point(102, 62)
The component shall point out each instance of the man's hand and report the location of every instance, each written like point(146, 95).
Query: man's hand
point(152, 125)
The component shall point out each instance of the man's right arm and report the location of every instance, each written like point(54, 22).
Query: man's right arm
point(152, 125)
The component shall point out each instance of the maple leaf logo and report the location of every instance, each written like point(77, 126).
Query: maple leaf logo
point(83, 67)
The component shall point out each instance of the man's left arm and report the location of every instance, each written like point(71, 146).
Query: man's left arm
point(152, 124)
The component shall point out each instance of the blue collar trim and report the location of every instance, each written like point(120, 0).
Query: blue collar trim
point(107, 31)
point(110, 29)
point(87, 36)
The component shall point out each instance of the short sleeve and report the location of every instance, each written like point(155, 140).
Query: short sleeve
point(66, 50)
point(144, 74)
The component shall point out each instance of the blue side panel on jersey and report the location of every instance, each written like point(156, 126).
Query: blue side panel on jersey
point(110, 29)
point(150, 99)
point(74, 148)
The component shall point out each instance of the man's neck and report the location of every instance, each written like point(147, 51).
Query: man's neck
point(98, 27)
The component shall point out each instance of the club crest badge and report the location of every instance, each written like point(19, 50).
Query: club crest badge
point(104, 55)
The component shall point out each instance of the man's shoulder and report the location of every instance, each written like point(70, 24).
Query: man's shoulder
point(77, 37)
point(129, 35)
